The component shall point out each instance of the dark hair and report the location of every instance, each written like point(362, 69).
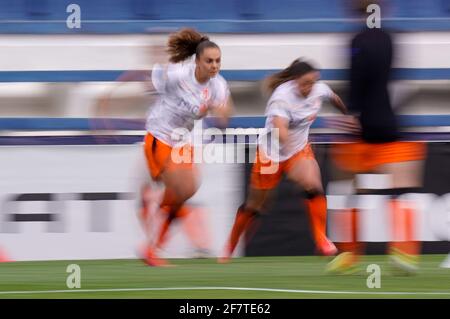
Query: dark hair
point(187, 42)
point(297, 69)
point(359, 7)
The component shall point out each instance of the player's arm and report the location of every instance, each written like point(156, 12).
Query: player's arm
point(279, 115)
point(142, 76)
point(221, 105)
point(282, 125)
point(348, 122)
point(337, 102)
point(223, 112)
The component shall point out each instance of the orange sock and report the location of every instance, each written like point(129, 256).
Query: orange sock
point(242, 221)
point(169, 205)
point(171, 215)
point(3, 257)
point(403, 224)
point(317, 211)
point(251, 229)
point(348, 226)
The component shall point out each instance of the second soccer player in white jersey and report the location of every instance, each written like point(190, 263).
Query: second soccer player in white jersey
point(296, 99)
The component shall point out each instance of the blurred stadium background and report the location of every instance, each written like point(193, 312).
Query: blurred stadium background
point(68, 183)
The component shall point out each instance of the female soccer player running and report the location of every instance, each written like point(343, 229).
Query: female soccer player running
point(296, 99)
point(189, 88)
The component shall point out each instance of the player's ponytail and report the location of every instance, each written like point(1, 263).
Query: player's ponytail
point(297, 69)
point(187, 42)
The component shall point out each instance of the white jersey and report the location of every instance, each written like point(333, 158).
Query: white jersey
point(182, 100)
point(287, 102)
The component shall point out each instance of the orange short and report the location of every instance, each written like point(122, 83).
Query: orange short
point(363, 157)
point(160, 156)
point(266, 174)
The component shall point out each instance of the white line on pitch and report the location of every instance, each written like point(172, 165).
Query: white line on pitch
point(226, 288)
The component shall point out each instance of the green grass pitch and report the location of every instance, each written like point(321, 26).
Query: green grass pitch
point(265, 277)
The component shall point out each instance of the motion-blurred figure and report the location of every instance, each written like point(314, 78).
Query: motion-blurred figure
point(188, 88)
point(380, 150)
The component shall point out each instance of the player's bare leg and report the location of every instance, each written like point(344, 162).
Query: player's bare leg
point(245, 216)
point(306, 173)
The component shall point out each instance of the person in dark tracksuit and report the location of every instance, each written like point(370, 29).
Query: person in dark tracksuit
point(379, 149)
point(371, 59)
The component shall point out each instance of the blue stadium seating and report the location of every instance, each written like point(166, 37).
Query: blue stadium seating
point(137, 16)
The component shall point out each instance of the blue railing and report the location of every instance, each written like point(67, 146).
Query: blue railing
point(86, 124)
point(85, 131)
point(230, 75)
